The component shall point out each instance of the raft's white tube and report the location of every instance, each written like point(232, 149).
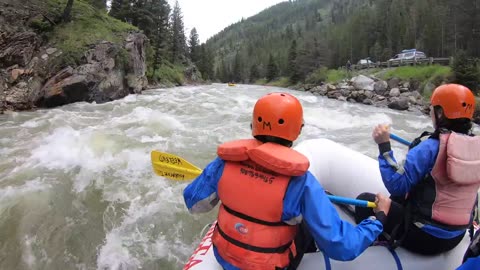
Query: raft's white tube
point(340, 170)
point(347, 173)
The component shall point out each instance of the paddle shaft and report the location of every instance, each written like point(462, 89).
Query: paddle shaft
point(176, 168)
point(360, 203)
point(399, 139)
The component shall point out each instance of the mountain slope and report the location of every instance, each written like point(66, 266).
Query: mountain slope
point(245, 46)
point(330, 32)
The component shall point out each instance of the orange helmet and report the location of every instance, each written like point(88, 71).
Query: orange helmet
point(457, 101)
point(278, 115)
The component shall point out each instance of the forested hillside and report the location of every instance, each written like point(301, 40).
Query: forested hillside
point(294, 38)
point(244, 50)
point(170, 52)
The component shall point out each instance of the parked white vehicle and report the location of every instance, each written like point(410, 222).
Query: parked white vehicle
point(365, 62)
point(406, 55)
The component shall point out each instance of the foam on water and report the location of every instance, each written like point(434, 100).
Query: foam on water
point(10, 194)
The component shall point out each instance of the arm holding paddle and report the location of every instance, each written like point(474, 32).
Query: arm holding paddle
point(386, 135)
point(201, 195)
point(418, 162)
point(338, 239)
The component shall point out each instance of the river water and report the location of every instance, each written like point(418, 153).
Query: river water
point(77, 190)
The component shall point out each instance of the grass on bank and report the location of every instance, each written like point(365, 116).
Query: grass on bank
point(280, 82)
point(431, 73)
point(262, 81)
point(424, 75)
point(316, 77)
point(88, 26)
point(326, 75)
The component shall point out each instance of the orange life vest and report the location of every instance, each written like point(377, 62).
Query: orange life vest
point(250, 233)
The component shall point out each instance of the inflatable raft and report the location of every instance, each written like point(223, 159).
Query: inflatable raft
point(355, 174)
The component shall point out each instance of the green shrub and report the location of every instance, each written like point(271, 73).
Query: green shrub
point(280, 82)
point(121, 58)
point(167, 74)
point(323, 74)
point(318, 76)
point(336, 75)
point(467, 71)
point(40, 26)
point(261, 82)
point(62, 61)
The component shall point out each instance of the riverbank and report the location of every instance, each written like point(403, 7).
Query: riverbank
point(404, 88)
point(47, 62)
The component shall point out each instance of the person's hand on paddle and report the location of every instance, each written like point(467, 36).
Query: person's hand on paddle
point(381, 134)
point(383, 203)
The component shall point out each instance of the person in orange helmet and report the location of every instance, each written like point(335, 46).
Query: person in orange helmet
point(437, 185)
point(270, 204)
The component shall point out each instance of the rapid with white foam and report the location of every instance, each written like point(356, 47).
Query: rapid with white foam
point(77, 190)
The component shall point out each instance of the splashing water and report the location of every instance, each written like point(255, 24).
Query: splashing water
point(77, 190)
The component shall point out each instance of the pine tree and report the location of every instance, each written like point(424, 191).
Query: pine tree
point(272, 69)
point(67, 12)
point(205, 64)
point(237, 68)
point(100, 4)
point(254, 73)
point(160, 33)
point(225, 75)
point(466, 71)
point(178, 46)
point(119, 9)
point(194, 43)
point(292, 69)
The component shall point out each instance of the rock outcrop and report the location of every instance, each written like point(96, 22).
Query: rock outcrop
point(31, 76)
point(393, 93)
point(110, 72)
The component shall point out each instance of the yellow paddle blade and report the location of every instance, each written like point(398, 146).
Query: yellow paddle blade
point(173, 167)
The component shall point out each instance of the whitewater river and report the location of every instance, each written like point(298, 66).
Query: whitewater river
point(77, 190)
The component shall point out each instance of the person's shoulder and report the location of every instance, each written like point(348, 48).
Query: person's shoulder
point(430, 143)
point(428, 147)
point(305, 179)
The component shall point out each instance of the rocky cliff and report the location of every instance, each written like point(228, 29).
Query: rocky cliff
point(34, 72)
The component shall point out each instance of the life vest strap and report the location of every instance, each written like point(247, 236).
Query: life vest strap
point(426, 221)
point(237, 243)
point(252, 219)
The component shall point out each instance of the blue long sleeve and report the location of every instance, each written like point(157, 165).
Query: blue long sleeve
point(201, 195)
point(338, 239)
point(399, 179)
point(470, 264)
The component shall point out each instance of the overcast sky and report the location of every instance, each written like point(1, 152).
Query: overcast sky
point(211, 16)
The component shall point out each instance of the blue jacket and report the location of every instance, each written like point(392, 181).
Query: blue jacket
point(470, 264)
point(304, 198)
point(401, 179)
